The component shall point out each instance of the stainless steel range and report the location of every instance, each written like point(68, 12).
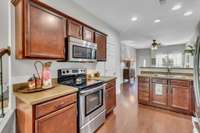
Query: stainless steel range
point(91, 98)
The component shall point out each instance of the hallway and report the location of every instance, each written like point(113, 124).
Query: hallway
point(128, 117)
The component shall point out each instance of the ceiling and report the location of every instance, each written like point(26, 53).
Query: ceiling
point(174, 28)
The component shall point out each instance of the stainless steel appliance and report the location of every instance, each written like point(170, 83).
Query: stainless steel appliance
point(81, 51)
point(196, 119)
point(91, 98)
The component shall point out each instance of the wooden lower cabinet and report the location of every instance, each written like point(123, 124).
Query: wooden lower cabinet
point(175, 95)
point(61, 121)
point(159, 94)
point(180, 97)
point(54, 116)
point(143, 90)
point(110, 96)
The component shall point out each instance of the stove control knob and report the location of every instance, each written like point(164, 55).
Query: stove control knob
point(63, 72)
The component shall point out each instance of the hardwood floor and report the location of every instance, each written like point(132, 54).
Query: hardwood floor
point(129, 117)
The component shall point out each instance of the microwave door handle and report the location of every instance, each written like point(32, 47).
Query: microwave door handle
point(85, 92)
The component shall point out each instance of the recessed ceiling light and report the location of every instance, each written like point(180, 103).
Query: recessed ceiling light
point(157, 21)
point(188, 13)
point(134, 19)
point(176, 7)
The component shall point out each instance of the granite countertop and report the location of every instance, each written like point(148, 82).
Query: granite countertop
point(104, 78)
point(42, 96)
point(180, 77)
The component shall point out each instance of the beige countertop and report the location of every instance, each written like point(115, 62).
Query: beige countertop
point(180, 77)
point(42, 96)
point(104, 78)
point(58, 91)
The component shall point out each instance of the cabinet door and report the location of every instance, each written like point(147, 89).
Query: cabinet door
point(88, 34)
point(46, 34)
point(159, 93)
point(74, 29)
point(180, 97)
point(61, 121)
point(110, 99)
point(101, 46)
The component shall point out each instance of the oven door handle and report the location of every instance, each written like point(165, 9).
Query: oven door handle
point(85, 92)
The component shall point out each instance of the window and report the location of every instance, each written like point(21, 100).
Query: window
point(166, 60)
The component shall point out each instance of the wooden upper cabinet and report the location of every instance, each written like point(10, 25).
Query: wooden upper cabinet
point(47, 34)
point(40, 33)
point(88, 34)
point(101, 41)
point(75, 29)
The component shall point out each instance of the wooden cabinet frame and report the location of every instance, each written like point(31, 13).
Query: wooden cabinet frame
point(110, 96)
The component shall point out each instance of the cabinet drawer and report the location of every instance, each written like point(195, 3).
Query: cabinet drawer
point(143, 79)
point(110, 84)
point(53, 105)
point(143, 87)
point(61, 121)
point(184, 83)
point(159, 81)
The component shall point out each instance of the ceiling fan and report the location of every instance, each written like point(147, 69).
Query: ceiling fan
point(155, 45)
point(162, 2)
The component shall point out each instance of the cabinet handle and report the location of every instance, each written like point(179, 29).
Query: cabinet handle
point(61, 105)
point(80, 31)
point(64, 51)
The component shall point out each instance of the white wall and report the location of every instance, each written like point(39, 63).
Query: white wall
point(128, 52)
point(22, 69)
point(7, 124)
point(4, 35)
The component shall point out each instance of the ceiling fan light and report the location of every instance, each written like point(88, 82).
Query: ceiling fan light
point(155, 45)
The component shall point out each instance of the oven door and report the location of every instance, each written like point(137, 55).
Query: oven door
point(82, 52)
point(92, 103)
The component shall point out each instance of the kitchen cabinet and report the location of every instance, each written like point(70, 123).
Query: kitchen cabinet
point(75, 29)
point(143, 90)
point(51, 122)
point(171, 94)
point(88, 34)
point(57, 115)
point(159, 92)
point(40, 32)
point(101, 41)
point(180, 97)
point(110, 96)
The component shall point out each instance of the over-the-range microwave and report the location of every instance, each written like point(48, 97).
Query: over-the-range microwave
point(78, 50)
